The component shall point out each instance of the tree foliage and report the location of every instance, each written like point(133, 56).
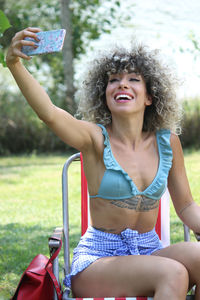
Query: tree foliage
point(196, 44)
point(4, 25)
point(194, 49)
point(89, 19)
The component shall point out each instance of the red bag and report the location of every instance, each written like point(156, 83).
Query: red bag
point(38, 280)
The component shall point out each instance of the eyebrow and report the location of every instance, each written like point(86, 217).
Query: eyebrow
point(119, 74)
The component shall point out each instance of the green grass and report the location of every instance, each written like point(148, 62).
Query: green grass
point(192, 164)
point(31, 207)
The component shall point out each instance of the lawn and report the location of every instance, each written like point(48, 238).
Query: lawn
point(31, 207)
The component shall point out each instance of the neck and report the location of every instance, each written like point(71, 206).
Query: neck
point(128, 130)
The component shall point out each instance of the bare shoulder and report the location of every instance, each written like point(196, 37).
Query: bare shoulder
point(178, 157)
point(176, 148)
point(175, 141)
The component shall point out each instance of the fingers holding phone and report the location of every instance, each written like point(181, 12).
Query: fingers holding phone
point(49, 42)
point(18, 41)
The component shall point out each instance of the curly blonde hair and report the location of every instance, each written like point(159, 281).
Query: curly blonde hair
point(160, 82)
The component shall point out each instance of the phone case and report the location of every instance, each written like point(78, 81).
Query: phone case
point(50, 42)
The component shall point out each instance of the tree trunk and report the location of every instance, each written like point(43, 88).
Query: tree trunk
point(68, 56)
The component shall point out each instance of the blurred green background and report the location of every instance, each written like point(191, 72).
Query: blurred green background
point(31, 157)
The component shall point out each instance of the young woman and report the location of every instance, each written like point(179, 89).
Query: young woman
point(131, 153)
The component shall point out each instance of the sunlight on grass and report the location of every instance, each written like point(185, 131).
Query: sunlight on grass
point(192, 164)
point(31, 207)
point(192, 161)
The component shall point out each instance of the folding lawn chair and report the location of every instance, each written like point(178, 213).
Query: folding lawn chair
point(162, 226)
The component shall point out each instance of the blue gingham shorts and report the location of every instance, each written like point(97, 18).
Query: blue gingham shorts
point(95, 244)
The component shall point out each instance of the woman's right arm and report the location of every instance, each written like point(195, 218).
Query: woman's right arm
point(75, 133)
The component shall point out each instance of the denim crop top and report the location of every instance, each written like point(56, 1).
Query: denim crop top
point(116, 183)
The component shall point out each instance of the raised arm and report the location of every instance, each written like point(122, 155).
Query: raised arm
point(186, 208)
point(75, 133)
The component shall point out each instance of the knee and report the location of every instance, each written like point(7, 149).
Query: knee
point(195, 254)
point(180, 275)
point(176, 278)
point(194, 263)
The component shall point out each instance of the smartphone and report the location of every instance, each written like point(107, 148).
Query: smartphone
point(50, 42)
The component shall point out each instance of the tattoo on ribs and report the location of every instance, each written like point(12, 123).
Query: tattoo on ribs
point(139, 203)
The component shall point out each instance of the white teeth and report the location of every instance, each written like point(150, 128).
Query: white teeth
point(123, 96)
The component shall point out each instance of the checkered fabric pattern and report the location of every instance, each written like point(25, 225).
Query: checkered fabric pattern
point(95, 244)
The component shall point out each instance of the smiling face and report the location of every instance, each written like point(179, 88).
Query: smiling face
point(127, 91)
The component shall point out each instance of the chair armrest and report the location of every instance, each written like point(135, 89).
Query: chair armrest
point(186, 233)
point(53, 246)
point(57, 233)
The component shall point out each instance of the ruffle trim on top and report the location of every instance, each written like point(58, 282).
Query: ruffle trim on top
point(111, 163)
point(165, 163)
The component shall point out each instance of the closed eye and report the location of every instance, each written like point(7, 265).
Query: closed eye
point(113, 80)
point(134, 79)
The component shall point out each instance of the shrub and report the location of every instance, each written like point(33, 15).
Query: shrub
point(190, 136)
point(21, 131)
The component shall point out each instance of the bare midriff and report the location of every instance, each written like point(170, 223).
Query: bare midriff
point(108, 217)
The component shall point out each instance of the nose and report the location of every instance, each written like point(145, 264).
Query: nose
point(124, 83)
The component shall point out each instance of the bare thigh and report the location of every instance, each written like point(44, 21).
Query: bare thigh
point(124, 276)
point(188, 254)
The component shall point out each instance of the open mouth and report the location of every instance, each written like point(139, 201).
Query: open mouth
point(123, 97)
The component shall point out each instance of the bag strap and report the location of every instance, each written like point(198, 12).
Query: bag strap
point(49, 270)
point(55, 282)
